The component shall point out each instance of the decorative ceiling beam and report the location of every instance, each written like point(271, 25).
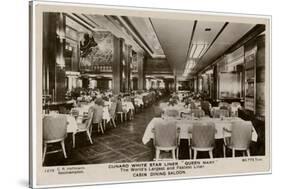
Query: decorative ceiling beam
point(132, 27)
point(126, 36)
point(137, 39)
point(191, 39)
point(79, 21)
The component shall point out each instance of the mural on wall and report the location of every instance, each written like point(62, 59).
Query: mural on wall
point(99, 55)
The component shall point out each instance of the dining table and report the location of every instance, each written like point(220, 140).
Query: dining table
point(180, 107)
point(127, 106)
point(186, 125)
point(85, 108)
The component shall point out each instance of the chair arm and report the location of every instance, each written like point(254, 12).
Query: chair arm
point(178, 135)
point(224, 138)
point(153, 131)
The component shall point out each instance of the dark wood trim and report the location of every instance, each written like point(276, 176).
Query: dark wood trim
point(254, 32)
point(218, 34)
point(91, 20)
point(155, 32)
point(191, 39)
point(83, 20)
point(79, 22)
point(132, 27)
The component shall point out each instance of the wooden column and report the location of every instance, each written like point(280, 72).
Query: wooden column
point(175, 82)
point(128, 66)
point(116, 67)
point(54, 81)
point(140, 71)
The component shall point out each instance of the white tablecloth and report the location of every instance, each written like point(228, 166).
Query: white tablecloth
point(179, 107)
point(105, 114)
point(85, 108)
point(72, 126)
point(127, 106)
point(186, 125)
point(138, 101)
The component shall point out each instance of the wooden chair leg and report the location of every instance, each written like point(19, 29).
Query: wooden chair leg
point(100, 126)
point(157, 154)
point(195, 154)
point(248, 152)
point(113, 122)
point(63, 149)
point(44, 152)
point(91, 129)
point(177, 156)
point(73, 140)
point(130, 114)
point(224, 151)
point(89, 135)
point(233, 152)
point(211, 154)
point(174, 154)
point(190, 150)
point(104, 124)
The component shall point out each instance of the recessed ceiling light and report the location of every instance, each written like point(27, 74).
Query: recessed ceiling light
point(208, 29)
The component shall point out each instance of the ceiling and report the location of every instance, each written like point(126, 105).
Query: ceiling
point(145, 30)
point(178, 36)
point(174, 37)
point(180, 41)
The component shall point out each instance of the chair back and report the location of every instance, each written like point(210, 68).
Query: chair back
point(223, 104)
point(198, 113)
point(172, 113)
point(91, 110)
point(112, 110)
point(158, 111)
point(127, 98)
point(236, 104)
point(217, 113)
point(54, 127)
point(89, 120)
point(205, 106)
point(203, 136)
point(97, 114)
point(163, 105)
point(63, 110)
point(193, 106)
point(241, 135)
point(234, 108)
point(165, 134)
point(75, 113)
point(119, 106)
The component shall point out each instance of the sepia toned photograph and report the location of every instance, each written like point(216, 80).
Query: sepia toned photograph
point(139, 90)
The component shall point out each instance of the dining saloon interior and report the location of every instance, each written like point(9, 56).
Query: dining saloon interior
point(130, 89)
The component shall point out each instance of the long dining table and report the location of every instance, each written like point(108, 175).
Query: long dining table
point(186, 125)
